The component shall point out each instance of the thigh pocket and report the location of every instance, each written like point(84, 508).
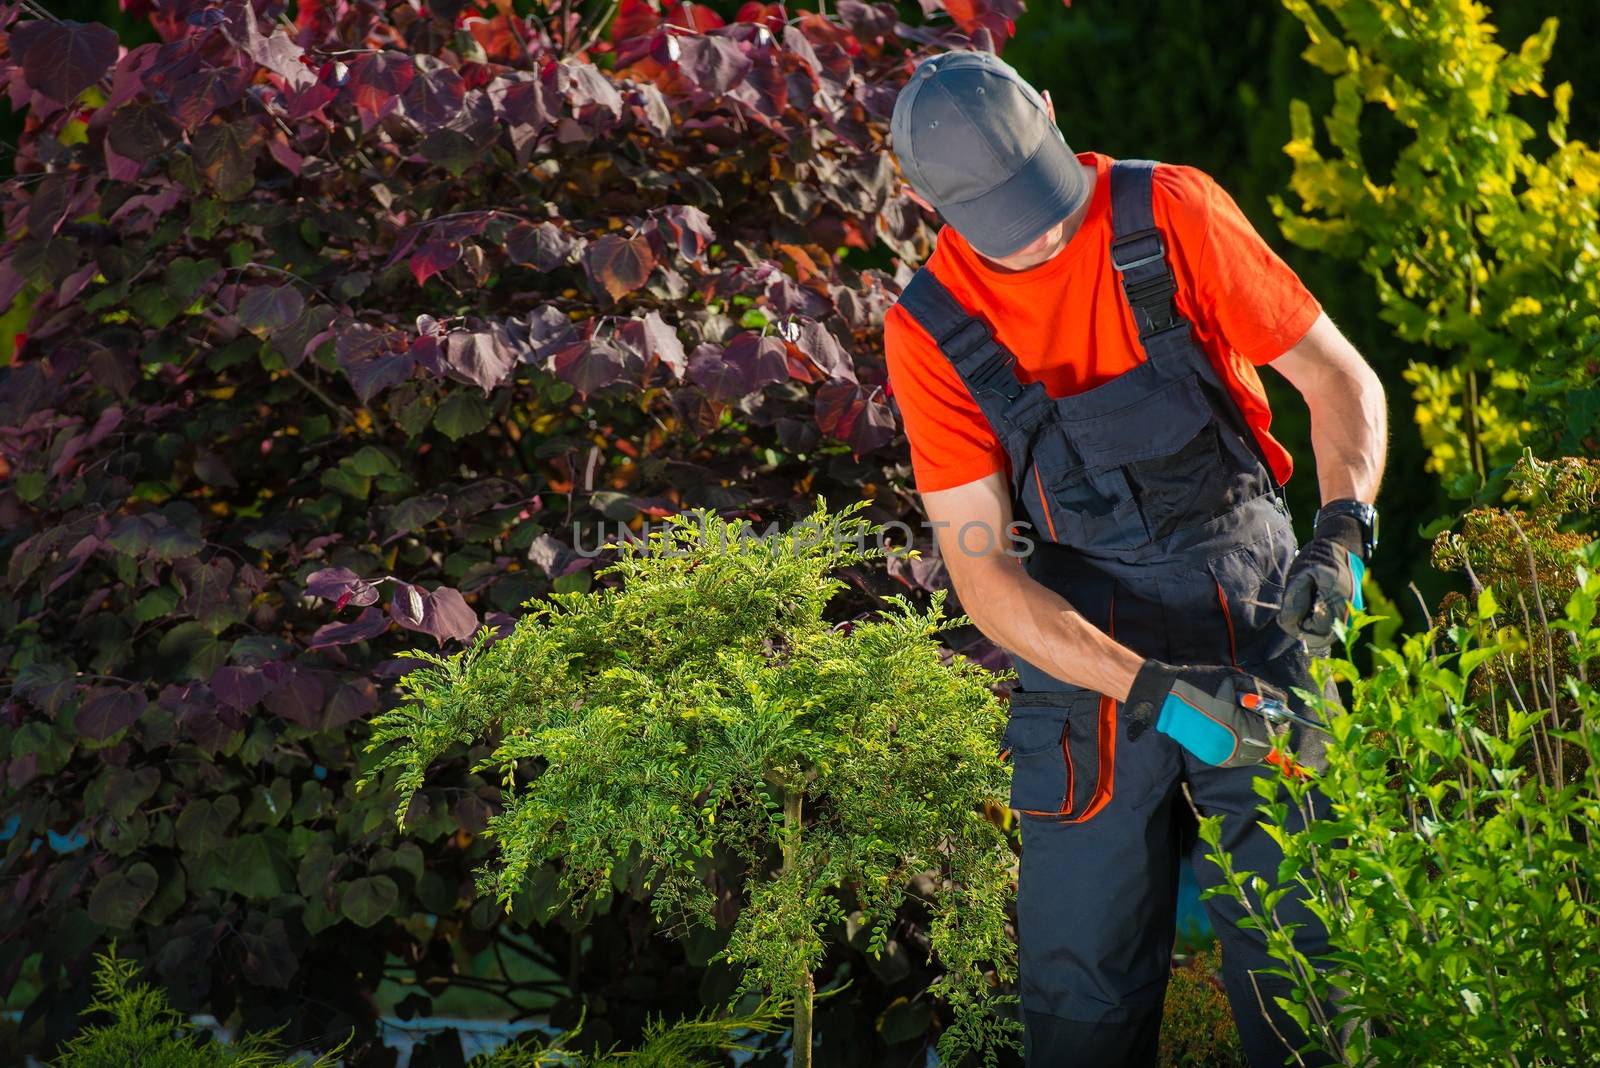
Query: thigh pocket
point(1061, 750)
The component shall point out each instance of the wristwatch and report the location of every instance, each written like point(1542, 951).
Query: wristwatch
point(1363, 513)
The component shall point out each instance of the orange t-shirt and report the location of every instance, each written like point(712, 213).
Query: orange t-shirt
point(1069, 326)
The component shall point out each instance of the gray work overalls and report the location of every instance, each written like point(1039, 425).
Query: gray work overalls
point(1157, 518)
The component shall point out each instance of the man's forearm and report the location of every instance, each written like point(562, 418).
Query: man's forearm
point(1349, 417)
point(1349, 437)
point(1037, 624)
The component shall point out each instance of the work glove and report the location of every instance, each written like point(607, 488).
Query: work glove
point(1324, 581)
point(1199, 708)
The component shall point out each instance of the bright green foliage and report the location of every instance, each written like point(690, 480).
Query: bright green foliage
point(1484, 243)
point(1458, 878)
point(147, 1032)
point(649, 733)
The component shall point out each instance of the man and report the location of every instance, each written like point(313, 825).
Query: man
point(1079, 355)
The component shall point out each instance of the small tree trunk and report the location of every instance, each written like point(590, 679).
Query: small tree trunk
point(792, 801)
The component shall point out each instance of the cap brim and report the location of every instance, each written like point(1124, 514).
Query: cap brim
point(1048, 188)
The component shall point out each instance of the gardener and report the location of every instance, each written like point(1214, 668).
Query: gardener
point(1079, 354)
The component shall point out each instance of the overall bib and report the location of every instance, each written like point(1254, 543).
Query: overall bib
point(1153, 514)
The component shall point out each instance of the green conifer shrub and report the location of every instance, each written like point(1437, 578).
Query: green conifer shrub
point(704, 735)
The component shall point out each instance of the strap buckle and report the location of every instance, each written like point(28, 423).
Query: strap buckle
point(973, 335)
point(1134, 238)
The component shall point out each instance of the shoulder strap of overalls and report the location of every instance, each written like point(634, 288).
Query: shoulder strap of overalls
point(1138, 251)
point(987, 367)
point(1140, 254)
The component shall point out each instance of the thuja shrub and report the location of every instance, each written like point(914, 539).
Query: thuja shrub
point(1481, 235)
point(701, 734)
point(1458, 880)
point(337, 319)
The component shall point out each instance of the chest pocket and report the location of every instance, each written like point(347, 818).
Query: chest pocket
point(1123, 475)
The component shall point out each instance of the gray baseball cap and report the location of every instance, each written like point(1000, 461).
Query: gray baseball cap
point(975, 141)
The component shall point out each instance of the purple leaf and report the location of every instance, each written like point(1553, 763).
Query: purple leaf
point(368, 624)
point(433, 257)
point(591, 93)
point(297, 698)
point(270, 308)
point(196, 98)
point(376, 81)
point(818, 344)
point(618, 265)
point(372, 358)
point(441, 613)
point(483, 357)
point(238, 687)
point(749, 362)
point(854, 415)
point(341, 585)
point(548, 331)
point(543, 247)
point(355, 700)
point(141, 130)
point(225, 152)
point(525, 100)
point(588, 366)
point(686, 227)
point(106, 711)
point(434, 98)
point(654, 340)
point(62, 59)
point(714, 64)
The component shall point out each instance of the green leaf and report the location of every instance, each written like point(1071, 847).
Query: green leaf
point(203, 824)
point(254, 868)
point(155, 305)
point(462, 413)
point(367, 900)
point(120, 896)
point(186, 277)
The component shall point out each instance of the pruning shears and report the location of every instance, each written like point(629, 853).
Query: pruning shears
point(1275, 711)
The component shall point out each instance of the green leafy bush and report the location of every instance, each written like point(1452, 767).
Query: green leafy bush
point(1483, 242)
point(705, 712)
point(1457, 878)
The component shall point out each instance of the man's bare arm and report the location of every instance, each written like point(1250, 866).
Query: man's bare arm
point(1349, 420)
point(1012, 610)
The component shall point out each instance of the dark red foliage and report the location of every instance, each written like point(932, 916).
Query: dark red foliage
point(344, 318)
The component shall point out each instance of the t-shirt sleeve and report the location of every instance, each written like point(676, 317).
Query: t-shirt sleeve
point(1235, 284)
point(951, 441)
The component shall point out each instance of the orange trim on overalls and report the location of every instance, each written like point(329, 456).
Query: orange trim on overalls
point(1044, 503)
point(1227, 617)
point(1106, 754)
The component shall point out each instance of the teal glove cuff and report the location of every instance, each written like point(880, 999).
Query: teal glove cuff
point(1195, 731)
point(1358, 571)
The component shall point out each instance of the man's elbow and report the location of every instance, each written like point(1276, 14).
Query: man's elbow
point(979, 581)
